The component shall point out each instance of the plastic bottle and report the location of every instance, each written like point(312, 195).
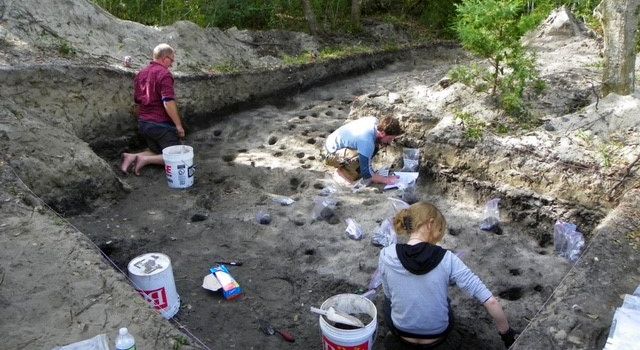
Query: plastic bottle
point(125, 340)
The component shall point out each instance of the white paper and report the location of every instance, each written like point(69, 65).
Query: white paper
point(211, 283)
point(406, 178)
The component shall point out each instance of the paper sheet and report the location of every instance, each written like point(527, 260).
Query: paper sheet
point(405, 179)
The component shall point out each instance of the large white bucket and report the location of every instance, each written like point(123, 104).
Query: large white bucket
point(152, 276)
point(349, 339)
point(178, 166)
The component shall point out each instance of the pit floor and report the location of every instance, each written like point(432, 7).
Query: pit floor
point(244, 161)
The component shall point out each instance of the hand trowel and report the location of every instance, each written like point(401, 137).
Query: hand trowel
point(338, 316)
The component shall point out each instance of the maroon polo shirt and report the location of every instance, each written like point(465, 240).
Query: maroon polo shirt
point(151, 88)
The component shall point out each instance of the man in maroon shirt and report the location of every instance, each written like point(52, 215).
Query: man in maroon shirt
point(158, 119)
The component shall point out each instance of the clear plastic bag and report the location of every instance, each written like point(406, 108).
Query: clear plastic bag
point(409, 194)
point(411, 159)
point(376, 279)
point(327, 191)
point(385, 235)
point(99, 342)
point(324, 208)
point(354, 230)
point(491, 221)
point(263, 218)
point(398, 204)
point(567, 241)
point(284, 201)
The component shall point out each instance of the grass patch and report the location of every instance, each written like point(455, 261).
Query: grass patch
point(227, 67)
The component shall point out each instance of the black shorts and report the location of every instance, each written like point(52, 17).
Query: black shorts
point(158, 136)
point(386, 305)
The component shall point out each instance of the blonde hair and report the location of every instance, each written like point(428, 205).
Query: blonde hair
point(163, 50)
point(411, 219)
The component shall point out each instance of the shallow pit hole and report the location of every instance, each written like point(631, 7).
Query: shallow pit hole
point(513, 293)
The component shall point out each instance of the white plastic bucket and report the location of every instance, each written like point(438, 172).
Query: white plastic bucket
point(152, 276)
point(349, 339)
point(178, 166)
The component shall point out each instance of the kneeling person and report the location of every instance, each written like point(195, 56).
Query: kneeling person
point(352, 147)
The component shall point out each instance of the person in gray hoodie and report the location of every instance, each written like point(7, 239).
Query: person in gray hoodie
point(416, 277)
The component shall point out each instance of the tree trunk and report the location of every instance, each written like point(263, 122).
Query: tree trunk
point(310, 17)
point(356, 6)
point(619, 19)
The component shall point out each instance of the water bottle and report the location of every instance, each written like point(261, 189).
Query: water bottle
point(125, 340)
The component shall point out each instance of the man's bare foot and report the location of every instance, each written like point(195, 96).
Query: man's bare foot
point(127, 160)
point(140, 163)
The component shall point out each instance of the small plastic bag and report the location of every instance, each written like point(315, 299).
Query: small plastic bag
point(409, 194)
point(284, 201)
point(491, 221)
point(99, 342)
point(397, 205)
point(376, 279)
point(263, 218)
point(385, 235)
point(327, 191)
point(324, 208)
point(354, 231)
point(411, 159)
point(567, 241)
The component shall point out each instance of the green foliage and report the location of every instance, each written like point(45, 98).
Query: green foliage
point(227, 67)
point(492, 29)
point(474, 127)
point(474, 75)
point(332, 53)
point(65, 48)
point(179, 342)
point(299, 60)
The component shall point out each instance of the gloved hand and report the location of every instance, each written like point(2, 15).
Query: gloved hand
point(509, 337)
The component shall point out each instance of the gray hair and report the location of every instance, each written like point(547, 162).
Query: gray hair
point(163, 50)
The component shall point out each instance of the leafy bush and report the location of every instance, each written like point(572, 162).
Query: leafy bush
point(474, 127)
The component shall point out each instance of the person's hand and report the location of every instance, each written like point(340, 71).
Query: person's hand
point(180, 131)
point(392, 179)
point(509, 337)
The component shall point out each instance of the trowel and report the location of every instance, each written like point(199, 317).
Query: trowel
point(338, 316)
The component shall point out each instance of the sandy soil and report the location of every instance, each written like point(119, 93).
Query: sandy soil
point(247, 159)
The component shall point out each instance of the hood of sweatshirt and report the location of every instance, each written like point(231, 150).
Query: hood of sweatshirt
point(418, 259)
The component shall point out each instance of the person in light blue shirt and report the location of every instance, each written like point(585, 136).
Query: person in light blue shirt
point(352, 146)
point(416, 277)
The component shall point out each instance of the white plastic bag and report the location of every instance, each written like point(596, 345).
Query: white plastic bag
point(385, 235)
point(567, 241)
point(99, 342)
point(354, 231)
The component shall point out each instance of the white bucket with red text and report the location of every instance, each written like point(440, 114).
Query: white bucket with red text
point(178, 166)
point(152, 277)
point(349, 339)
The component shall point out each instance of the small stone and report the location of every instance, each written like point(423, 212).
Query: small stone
point(172, 238)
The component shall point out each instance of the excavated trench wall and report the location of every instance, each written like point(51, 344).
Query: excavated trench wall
point(86, 109)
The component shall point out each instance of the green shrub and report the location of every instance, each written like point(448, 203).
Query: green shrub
point(474, 127)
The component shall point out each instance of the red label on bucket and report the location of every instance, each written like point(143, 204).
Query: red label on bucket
point(329, 345)
point(167, 169)
point(158, 297)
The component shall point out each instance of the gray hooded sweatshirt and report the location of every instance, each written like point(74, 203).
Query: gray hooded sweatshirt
point(419, 299)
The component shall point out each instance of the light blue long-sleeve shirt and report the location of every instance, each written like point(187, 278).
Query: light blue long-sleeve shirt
point(357, 135)
point(419, 302)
